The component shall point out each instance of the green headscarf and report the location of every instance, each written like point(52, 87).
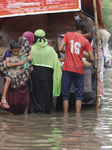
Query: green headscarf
point(39, 38)
point(44, 55)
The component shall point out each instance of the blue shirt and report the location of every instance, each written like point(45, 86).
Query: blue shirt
point(7, 54)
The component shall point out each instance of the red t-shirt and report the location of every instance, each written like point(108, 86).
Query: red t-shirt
point(75, 44)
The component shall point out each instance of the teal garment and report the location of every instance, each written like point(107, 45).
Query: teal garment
point(44, 55)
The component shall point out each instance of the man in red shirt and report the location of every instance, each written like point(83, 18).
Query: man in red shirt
point(73, 68)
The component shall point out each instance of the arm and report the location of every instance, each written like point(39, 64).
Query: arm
point(61, 47)
point(61, 59)
point(89, 28)
point(89, 57)
point(29, 57)
point(8, 64)
point(88, 35)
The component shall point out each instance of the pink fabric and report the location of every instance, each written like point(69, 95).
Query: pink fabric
point(19, 100)
point(29, 36)
point(49, 42)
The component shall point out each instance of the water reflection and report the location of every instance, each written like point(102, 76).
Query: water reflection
point(89, 130)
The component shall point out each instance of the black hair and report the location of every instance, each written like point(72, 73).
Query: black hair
point(80, 24)
point(14, 44)
point(78, 11)
point(36, 38)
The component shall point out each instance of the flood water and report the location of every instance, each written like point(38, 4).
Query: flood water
point(90, 130)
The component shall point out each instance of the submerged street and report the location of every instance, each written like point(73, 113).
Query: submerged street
point(90, 130)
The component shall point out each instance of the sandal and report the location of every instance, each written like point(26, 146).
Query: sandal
point(4, 105)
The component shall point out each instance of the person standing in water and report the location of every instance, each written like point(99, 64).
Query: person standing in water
point(73, 68)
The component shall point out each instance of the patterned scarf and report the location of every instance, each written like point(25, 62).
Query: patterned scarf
point(18, 75)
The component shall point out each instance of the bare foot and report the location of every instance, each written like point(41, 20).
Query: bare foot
point(10, 114)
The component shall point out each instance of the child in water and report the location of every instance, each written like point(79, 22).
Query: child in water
point(14, 49)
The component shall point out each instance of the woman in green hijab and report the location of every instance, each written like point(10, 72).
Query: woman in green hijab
point(47, 73)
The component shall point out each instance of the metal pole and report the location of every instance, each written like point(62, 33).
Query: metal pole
point(98, 53)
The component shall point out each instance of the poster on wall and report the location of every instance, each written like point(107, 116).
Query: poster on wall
point(9, 8)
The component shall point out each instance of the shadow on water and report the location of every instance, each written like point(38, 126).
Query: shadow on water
point(58, 131)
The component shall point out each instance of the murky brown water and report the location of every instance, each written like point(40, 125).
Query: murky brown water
point(91, 130)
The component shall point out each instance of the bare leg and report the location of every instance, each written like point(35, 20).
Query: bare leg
point(6, 87)
point(65, 106)
point(78, 106)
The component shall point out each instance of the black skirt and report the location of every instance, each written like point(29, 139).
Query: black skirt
point(42, 94)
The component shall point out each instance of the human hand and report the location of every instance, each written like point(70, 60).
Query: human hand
point(61, 59)
point(22, 62)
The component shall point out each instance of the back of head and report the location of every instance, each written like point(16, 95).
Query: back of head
point(77, 12)
point(39, 33)
point(39, 37)
point(80, 24)
point(14, 44)
point(29, 36)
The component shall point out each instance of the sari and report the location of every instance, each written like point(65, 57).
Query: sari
point(19, 75)
point(18, 96)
